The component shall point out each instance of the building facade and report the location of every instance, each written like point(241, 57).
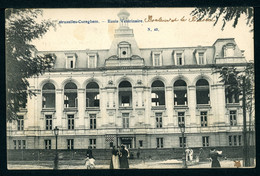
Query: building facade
point(133, 96)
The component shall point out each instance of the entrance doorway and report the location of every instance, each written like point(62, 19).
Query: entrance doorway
point(127, 141)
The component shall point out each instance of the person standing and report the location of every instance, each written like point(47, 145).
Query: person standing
point(114, 164)
point(138, 153)
point(123, 159)
point(89, 161)
point(191, 155)
point(214, 154)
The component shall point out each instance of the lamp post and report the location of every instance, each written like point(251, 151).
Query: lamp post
point(56, 159)
point(182, 128)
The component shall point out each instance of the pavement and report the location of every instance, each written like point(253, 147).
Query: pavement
point(104, 164)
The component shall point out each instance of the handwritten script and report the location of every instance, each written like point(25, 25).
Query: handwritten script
point(183, 19)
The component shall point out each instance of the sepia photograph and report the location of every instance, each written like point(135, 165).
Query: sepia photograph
point(130, 88)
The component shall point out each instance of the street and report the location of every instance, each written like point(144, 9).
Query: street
point(134, 164)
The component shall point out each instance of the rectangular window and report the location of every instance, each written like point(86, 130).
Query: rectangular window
point(230, 140)
point(181, 119)
point(201, 58)
point(158, 117)
point(70, 62)
point(233, 118)
point(48, 122)
point(157, 59)
point(14, 144)
point(125, 117)
point(159, 142)
point(179, 58)
point(47, 144)
point(182, 141)
point(91, 62)
point(24, 144)
point(235, 140)
point(93, 121)
point(92, 143)
point(19, 144)
point(203, 117)
point(205, 141)
point(140, 143)
point(20, 123)
point(70, 143)
point(70, 122)
point(239, 140)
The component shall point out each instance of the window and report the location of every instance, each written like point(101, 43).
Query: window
point(48, 96)
point(47, 144)
point(70, 95)
point(125, 120)
point(203, 118)
point(19, 144)
point(202, 91)
point(181, 118)
point(159, 142)
point(124, 50)
point(92, 95)
point(70, 144)
point(92, 143)
point(229, 50)
point(70, 122)
point(48, 122)
point(180, 93)
point(205, 141)
point(71, 61)
point(182, 141)
point(125, 94)
point(14, 144)
point(20, 123)
point(233, 118)
point(158, 93)
point(179, 59)
point(201, 58)
point(92, 60)
point(140, 143)
point(156, 59)
point(93, 121)
point(235, 140)
point(158, 117)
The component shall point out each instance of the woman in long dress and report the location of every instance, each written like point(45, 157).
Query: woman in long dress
point(124, 158)
point(114, 164)
point(214, 157)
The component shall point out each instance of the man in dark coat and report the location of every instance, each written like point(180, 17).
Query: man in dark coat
point(123, 158)
point(214, 156)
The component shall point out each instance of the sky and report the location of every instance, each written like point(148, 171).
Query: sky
point(185, 33)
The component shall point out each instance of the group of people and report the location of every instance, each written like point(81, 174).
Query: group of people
point(189, 154)
point(119, 159)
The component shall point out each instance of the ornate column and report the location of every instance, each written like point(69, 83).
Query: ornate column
point(192, 105)
point(169, 106)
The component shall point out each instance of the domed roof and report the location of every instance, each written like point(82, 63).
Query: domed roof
point(123, 12)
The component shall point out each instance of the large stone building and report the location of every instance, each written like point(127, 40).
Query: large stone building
point(133, 96)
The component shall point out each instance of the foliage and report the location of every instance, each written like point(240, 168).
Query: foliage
point(226, 13)
point(22, 27)
point(233, 81)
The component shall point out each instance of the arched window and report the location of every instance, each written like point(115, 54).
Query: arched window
point(202, 91)
point(70, 95)
point(158, 93)
point(48, 96)
point(125, 94)
point(180, 93)
point(92, 95)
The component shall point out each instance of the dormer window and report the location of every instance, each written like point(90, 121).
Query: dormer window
point(179, 57)
point(200, 55)
point(92, 60)
point(157, 58)
point(229, 50)
point(71, 61)
point(124, 50)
